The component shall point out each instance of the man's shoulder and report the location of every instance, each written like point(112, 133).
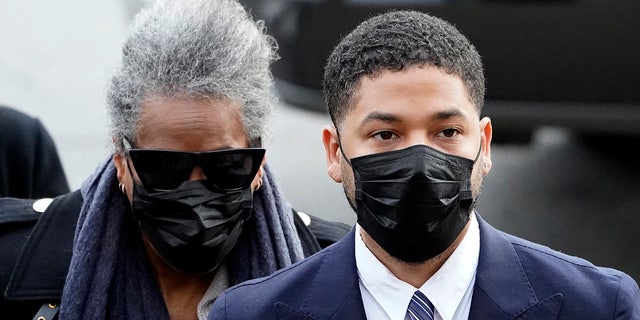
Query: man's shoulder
point(540, 259)
point(15, 210)
point(530, 280)
point(255, 298)
point(17, 219)
point(541, 256)
point(578, 279)
point(328, 272)
point(296, 276)
point(36, 239)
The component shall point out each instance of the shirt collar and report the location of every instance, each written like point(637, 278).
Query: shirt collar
point(445, 289)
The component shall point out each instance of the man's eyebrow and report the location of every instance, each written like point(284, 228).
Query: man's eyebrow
point(450, 113)
point(392, 117)
point(380, 116)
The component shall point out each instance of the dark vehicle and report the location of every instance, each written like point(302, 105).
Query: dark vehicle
point(567, 63)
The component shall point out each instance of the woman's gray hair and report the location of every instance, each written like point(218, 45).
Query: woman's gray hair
point(210, 49)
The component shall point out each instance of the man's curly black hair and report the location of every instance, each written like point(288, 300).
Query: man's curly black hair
point(397, 40)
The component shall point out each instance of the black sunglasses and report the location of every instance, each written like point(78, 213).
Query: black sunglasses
point(226, 170)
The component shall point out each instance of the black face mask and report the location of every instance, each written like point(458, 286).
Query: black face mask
point(192, 227)
point(413, 202)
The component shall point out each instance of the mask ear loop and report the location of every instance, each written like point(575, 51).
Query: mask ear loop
point(478, 155)
point(341, 150)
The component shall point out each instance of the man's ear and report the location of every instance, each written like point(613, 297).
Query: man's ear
point(486, 135)
point(332, 151)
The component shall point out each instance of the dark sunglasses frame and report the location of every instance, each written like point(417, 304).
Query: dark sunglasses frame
point(225, 170)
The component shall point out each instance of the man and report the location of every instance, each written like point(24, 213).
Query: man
point(405, 93)
point(186, 206)
point(29, 163)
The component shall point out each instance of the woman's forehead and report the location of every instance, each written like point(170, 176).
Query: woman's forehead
point(190, 124)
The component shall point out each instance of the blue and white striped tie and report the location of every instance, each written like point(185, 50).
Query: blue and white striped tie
point(420, 308)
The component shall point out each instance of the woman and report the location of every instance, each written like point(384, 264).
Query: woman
point(186, 206)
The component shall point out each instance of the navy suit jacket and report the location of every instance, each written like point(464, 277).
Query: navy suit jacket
point(516, 279)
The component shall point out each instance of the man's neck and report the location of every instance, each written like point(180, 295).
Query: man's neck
point(415, 274)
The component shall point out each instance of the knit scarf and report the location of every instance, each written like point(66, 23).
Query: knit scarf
point(109, 275)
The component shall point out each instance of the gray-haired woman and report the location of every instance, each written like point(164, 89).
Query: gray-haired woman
point(187, 205)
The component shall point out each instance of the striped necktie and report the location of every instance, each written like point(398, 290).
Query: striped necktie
point(420, 308)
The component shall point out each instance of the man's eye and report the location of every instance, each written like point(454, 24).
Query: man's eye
point(449, 132)
point(384, 135)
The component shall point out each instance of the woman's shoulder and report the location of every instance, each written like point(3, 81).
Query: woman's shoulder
point(317, 233)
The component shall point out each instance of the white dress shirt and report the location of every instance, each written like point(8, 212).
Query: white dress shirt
point(386, 297)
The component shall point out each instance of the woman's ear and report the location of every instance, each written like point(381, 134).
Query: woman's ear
point(124, 178)
point(257, 180)
point(119, 162)
point(331, 144)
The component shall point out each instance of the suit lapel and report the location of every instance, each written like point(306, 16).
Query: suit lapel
point(502, 289)
point(334, 292)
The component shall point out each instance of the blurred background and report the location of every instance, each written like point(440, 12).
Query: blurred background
point(562, 79)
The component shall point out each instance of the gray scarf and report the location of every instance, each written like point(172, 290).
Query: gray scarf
point(109, 276)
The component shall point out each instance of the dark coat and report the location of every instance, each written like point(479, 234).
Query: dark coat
point(29, 162)
point(36, 250)
point(516, 279)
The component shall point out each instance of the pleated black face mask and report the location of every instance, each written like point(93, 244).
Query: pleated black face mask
point(193, 227)
point(413, 202)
